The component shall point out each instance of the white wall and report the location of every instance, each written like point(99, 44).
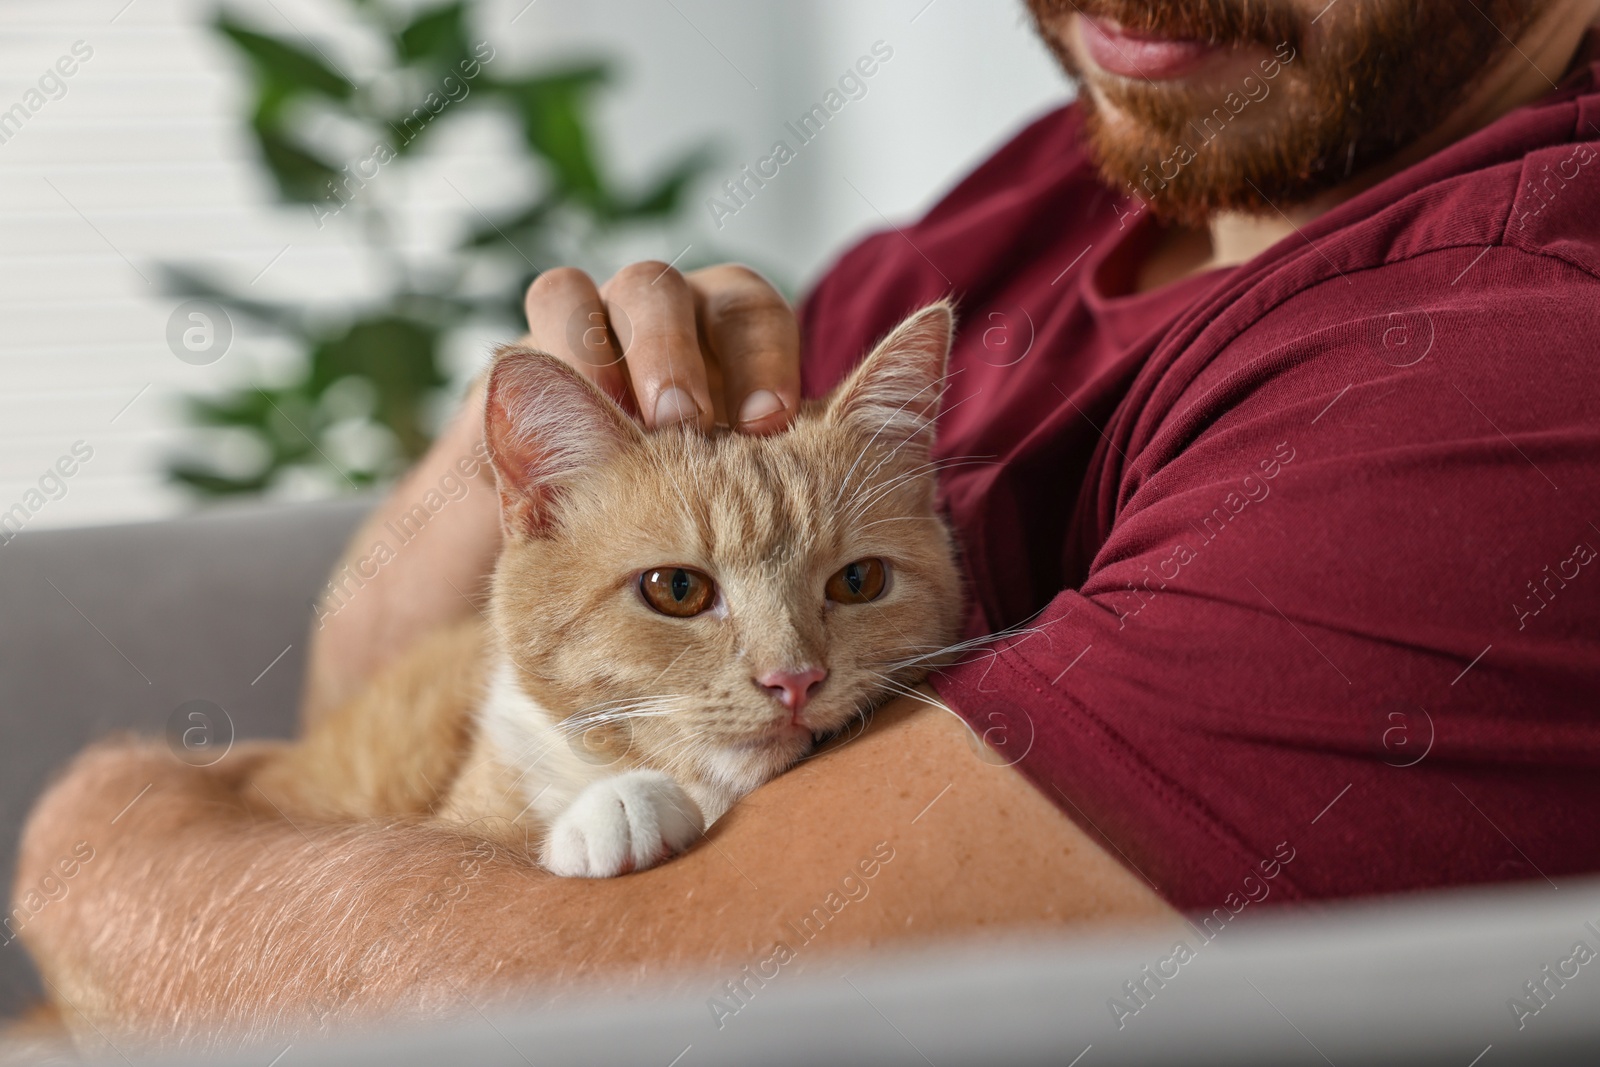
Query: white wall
point(143, 162)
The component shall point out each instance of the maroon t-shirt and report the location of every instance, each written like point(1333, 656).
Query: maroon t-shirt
point(1297, 560)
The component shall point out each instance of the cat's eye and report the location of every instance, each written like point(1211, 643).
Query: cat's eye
point(858, 582)
point(677, 591)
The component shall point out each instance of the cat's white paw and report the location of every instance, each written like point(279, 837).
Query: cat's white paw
point(625, 823)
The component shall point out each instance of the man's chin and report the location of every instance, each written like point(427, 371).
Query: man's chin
point(1262, 126)
point(1176, 178)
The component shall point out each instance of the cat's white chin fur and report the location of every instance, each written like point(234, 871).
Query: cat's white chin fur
point(586, 807)
point(742, 771)
point(628, 822)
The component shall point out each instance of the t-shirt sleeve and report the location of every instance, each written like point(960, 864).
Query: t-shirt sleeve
point(1344, 633)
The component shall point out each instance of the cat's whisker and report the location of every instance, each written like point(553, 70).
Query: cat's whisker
point(621, 708)
point(569, 731)
point(897, 686)
point(625, 702)
point(936, 465)
point(575, 726)
point(611, 717)
point(899, 518)
point(923, 698)
point(934, 656)
point(925, 466)
point(966, 645)
point(646, 708)
point(878, 466)
point(671, 665)
point(940, 389)
point(870, 493)
point(868, 489)
point(944, 387)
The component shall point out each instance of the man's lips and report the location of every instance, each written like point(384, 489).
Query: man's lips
point(1116, 51)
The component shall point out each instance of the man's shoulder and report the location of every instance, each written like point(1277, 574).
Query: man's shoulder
point(1543, 202)
point(1519, 322)
point(1462, 300)
point(1556, 211)
point(1489, 251)
point(1529, 182)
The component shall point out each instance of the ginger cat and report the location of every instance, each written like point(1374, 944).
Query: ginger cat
point(675, 618)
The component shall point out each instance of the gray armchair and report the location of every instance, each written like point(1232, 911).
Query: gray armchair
point(110, 629)
point(114, 629)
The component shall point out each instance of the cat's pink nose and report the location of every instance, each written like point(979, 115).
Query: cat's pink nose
point(793, 688)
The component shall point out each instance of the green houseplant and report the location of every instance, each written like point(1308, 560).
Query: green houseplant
point(378, 364)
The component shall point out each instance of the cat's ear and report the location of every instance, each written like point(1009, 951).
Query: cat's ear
point(893, 396)
point(545, 424)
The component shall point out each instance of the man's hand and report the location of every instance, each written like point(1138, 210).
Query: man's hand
point(718, 345)
point(667, 346)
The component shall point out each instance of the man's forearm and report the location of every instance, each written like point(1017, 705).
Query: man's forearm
point(196, 916)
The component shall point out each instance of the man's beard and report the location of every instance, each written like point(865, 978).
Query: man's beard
point(1381, 75)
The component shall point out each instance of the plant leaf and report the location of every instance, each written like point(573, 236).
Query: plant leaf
point(284, 67)
point(397, 355)
point(438, 34)
point(302, 175)
point(555, 123)
point(664, 198)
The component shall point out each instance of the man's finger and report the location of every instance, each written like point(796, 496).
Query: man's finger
point(652, 310)
point(567, 319)
point(755, 340)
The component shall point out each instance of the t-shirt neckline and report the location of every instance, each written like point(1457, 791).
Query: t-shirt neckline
point(1107, 285)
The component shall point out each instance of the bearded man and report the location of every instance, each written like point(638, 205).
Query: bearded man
point(1271, 449)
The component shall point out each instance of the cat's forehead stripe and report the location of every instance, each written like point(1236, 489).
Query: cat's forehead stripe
point(753, 516)
point(747, 503)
